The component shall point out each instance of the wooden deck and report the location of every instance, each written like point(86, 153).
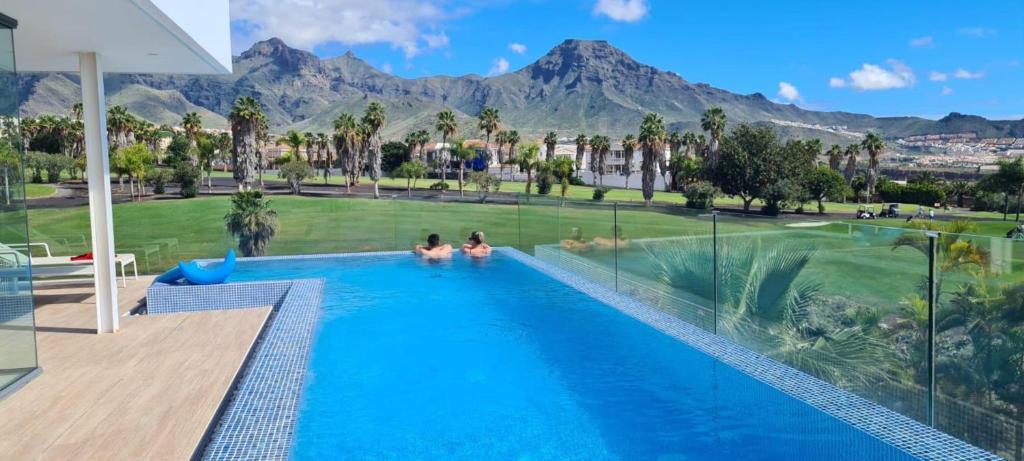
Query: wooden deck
point(147, 392)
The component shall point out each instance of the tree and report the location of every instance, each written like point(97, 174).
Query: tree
point(825, 182)
point(323, 149)
point(10, 163)
point(599, 147)
point(294, 140)
point(835, 156)
point(412, 143)
point(713, 122)
point(447, 126)
point(119, 126)
point(410, 171)
point(246, 118)
point(485, 183)
point(252, 221)
point(581, 151)
point(490, 122)
point(295, 171)
point(462, 154)
point(395, 153)
point(373, 120)
point(652, 142)
point(527, 161)
point(512, 138)
point(550, 141)
point(1008, 180)
point(501, 139)
point(872, 143)
point(743, 157)
point(562, 168)
point(628, 146)
point(192, 125)
point(852, 151)
point(959, 190)
point(207, 151)
point(345, 138)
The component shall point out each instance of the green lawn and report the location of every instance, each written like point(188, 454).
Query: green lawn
point(39, 190)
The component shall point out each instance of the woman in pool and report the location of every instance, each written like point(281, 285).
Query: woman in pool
point(476, 246)
point(575, 241)
point(433, 249)
point(612, 243)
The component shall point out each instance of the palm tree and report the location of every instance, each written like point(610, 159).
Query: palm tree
point(550, 141)
point(192, 125)
point(874, 145)
point(713, 122)
point(323, 152)
point(628, 146)
point(374, 119)
point(581, 151)
point(253, 221)
point(527, 161)
point(412, 143)
point(675, 144)
point(835, 157)
point(119, 125)
point(247, 119)
point(345, 145)
point(599, 147)
point(206, 151)
point(852, 151)
point(691, 143)
point(501, 139)
point(447, 126)
point(309, 140)
point(512, 137)
point(422, 138)
point(490, 122)
point(652, 141)
point(294, 140)
point(462, 154)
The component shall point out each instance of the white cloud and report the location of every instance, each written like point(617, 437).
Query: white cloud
point(965, 74)
point(871, 77)
point(922, 41)
point(977, 31)
point(946, 91)
point(788, 92)
point(517, 48)
point(937, 76)
point(500, 66)
point(386, 68)
point(622, 10)
point(836, 82)
point(408, 25)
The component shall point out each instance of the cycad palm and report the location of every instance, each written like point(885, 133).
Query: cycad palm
point(713, 122)
point(246, 119)
point(628, 146)
point(652, 142)
point(874, 146)
point(447, 126)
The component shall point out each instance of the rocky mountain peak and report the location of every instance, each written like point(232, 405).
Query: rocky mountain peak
point(281, 54)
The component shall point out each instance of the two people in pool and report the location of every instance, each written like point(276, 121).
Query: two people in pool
point(475, 246)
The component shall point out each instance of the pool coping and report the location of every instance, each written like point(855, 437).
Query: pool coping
point(259, 416)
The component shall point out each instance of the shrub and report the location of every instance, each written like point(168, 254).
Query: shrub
point(440, 185)
point(778, 195)
point(576, 181)
point(545, 181)
point(295, 172)
point(187, 176)
point(159, 179)
point(599, 193)
point(700, 195)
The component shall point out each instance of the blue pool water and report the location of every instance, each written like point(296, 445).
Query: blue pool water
point(489, 359)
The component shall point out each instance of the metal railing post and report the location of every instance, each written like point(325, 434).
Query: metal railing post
point(714, 263)
point(932, 238)
point(615, 239)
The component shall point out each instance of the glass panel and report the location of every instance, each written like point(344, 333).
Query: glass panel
point(586, 243)
point(979, 341)
point(17, 322)
point(842, 302)
point(538, 227)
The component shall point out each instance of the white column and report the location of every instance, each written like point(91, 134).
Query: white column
point(94, 113)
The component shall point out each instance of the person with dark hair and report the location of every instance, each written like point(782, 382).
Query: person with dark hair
point(476, 245)
point(433, 249)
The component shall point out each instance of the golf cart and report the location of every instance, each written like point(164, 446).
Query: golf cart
point(891, 211)
point(866, 212)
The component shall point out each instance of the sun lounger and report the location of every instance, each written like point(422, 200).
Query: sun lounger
point(62, 267)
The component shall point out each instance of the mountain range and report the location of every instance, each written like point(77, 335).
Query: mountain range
point(579, 86)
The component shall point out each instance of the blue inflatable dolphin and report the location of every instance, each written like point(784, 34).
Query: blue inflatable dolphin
point(197, 275)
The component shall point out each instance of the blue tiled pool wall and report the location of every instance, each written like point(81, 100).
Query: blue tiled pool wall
point(900, 431)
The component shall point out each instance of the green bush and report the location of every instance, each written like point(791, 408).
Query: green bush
point(599, 193)
point(440, 185)
point(700, 195)
point(159, 179)
point(545, 181)
point(919, 193)
point(187, 176)
point(295, 172)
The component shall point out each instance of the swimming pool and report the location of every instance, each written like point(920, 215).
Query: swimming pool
point(491, 359)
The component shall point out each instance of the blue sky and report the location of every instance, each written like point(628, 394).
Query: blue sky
point(925, 58)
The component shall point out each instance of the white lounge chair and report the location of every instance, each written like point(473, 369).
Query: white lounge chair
point(60, 267)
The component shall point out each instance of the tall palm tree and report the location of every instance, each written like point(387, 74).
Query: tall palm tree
point(345, 137)
point(835, 157)
point(690, 142)
point(652, 142)
point(119, 125)
point(76, 111)
point(501, 139)
point(463, 154)
point(310, 143)
point(550, 141)
point(423, 138)
point(581, 152)
point(874, 145)
point(447, 126)
point(512, 137)
point(192, 125)
point(411, 143)
point(852, 151)
point(294, 140)
point(246, 119)
point(253, 221)
point(490, 122)
point(599, 147)
point(713, 122)
point(323, 153)
point(374, 119)
point(628, 146)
